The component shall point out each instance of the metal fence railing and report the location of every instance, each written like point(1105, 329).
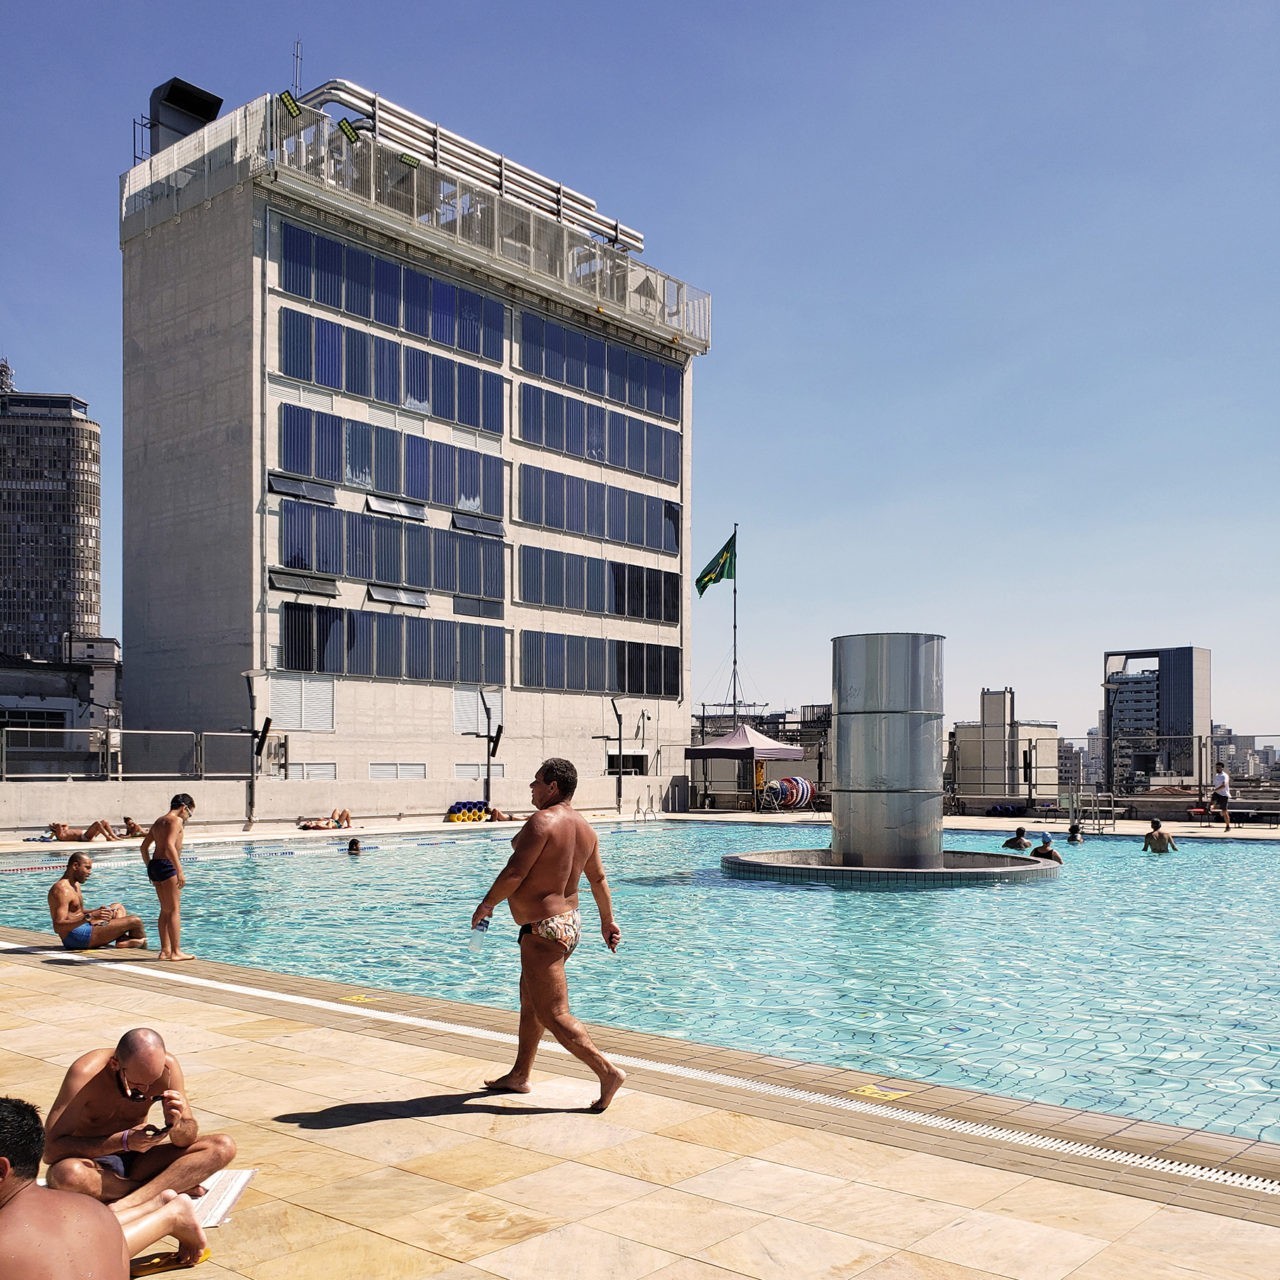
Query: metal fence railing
point(44, 755)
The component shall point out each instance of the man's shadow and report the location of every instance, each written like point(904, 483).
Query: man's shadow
point(345, 1114)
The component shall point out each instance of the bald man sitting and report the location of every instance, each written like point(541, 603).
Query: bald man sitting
point(98, 1141)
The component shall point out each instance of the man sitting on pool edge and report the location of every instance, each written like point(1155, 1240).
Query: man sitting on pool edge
point(82, 928)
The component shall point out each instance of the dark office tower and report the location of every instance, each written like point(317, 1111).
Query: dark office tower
point(50, 521)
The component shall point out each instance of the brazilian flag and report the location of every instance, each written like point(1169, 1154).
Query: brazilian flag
point(723, 565)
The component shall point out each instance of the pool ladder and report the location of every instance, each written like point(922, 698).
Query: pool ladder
point(646, 813)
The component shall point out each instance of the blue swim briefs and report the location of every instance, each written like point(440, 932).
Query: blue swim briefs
point(80, 938)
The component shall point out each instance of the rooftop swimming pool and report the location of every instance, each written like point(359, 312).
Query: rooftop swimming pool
point(1143, 985)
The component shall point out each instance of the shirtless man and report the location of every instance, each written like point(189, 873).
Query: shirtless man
point(1157, 841)
point(162, 855)
point(44, 1234)
point(553, 850)
point(98, 1141)
point(80, 927)
point(1018, 840)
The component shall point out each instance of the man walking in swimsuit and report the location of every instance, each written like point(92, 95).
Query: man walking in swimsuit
point(80, 927)
point(552, 851)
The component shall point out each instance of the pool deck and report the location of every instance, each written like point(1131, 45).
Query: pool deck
point(378, 1155)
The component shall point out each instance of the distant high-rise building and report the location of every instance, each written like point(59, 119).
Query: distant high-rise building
point(50, 521)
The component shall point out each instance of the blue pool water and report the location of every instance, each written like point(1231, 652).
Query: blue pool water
point(1137, 984)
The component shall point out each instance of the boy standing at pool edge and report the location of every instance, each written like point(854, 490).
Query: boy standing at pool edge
point(552, 851)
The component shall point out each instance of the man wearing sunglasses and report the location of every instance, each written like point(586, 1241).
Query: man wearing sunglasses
point(98, 1140)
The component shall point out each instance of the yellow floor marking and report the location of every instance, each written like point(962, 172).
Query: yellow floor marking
point(870, 1091)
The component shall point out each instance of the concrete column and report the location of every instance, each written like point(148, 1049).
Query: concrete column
point(886, 798)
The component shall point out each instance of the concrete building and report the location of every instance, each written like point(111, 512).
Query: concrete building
point(50, 522)
point(999, 755)
point(406, 432)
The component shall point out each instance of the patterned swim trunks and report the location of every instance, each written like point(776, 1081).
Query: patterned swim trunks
point(566, 929)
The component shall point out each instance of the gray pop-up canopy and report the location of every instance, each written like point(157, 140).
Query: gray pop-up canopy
point(744, 744)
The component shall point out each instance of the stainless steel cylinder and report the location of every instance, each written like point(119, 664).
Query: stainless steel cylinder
point(886, 798)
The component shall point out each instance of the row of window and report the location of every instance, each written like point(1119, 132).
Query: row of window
point(399, 553)
point(556, 501)
point(590, 431)
point(561, 580)
point(375, 288)
point(323, 446)
point(552, 661)
point(313, 349)
point(608, 369)
point(354, 642)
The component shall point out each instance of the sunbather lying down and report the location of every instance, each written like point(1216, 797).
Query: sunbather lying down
point(61, 831)
point(338, 818)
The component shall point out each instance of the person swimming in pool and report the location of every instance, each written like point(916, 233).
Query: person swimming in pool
point(1156, 840)
point(1046, 850)
point(81, 927)
point(162, 854)
point(552, 851)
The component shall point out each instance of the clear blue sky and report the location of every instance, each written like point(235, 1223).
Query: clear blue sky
point(995, 291)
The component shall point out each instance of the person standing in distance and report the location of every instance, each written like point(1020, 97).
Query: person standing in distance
point(162, 854)
point(552, 851)
point(1221, 798)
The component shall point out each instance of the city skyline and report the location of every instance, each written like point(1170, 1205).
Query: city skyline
point(993, 326)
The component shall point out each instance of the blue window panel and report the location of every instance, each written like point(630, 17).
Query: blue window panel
point(443, 384)
point(670, 597)
point(386, 292)
point(359, 643)
point(386, 371)
point(575, 582)
point(670, 671)
point(653, 670)
point(635, 684)
point(616, 370)
point(616, 524)
point(653, 522)
point(417, 556)
point(553, 579)
point(493, 324)
point(444, 560)
point(359, 273)
point(417, 648)
point(595, 585)
point(653, 595)
point(635, 591)
point(494, 394)
point(389, 637)
point(671, 527)
point(328, 457)
point(297, 637)
point(575, 504)
point(671, 400)
point(575, 428)
point(635, 445)
point(359, 468)
point(531, 341)
point(297, 523)
point(597, 653)
point(444, 313)
point(595, 509)
point(468, 552)
point(616, 666)
point(295, 260)
point(530, 413)
point(671, 459)
point(331, 640)
point(553, 353)
point(637, 368)
point(417, 468)
point(575, 662)
point(655, 388)
point(616, 590)
point(386, 460)
point(444, 650)
point(491, 478)
point(594, 451)
point(417, 303)
point(595, 366)
point(469, 395)
point(328, 354)
point(417, 380)
point(470, 321)
point(330, 553)
point(553, 500)
point(359, 545)
point(616, 447)
point(444, 474)
point(388, 552)
point(359, 356)
point(531, 659)
point(468, 480)
point(493, 573)
point(553, 662)
point(575, 358)
point(531, 574)
point(653, 441)
point(295, 344)
point(295, 439)
point(635, 519)
point(531, 494)
point(495, 655)
point(329, 272)
point(553, 421)
point(470, 653)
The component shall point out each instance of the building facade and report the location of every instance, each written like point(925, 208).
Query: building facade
point(406, 437)
point(1000, 755)
point(50, 522)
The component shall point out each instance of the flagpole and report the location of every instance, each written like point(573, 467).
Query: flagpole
point(734, 682)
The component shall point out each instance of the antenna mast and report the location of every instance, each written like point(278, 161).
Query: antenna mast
point(297, 66)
